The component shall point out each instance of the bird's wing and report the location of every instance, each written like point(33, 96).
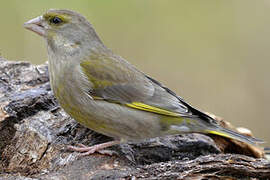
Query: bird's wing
point(117, 81)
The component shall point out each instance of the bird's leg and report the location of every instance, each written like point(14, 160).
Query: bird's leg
point(87, 150)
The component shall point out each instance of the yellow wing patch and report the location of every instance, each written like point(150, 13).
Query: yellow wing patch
point(145, 107)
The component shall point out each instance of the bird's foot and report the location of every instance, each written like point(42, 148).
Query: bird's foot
point(87, 150)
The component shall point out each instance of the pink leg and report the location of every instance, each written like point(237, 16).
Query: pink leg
point(85, 150)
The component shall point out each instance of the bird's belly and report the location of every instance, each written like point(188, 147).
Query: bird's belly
point(114, 120)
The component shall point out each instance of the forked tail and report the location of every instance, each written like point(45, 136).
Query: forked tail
point(234, 135)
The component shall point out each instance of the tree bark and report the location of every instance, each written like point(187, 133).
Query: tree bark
point(34, 132)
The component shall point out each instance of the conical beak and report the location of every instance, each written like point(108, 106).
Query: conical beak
point(35, 26)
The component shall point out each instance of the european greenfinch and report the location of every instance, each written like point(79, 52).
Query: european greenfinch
point(105, 93)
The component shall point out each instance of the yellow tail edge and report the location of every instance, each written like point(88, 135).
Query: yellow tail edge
point(234, 135)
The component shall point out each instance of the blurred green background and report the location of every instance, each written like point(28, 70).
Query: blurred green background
point(215, 54)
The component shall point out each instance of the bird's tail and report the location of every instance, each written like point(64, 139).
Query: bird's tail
point(234, 135)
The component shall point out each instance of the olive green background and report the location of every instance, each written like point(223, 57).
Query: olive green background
point(215, 54)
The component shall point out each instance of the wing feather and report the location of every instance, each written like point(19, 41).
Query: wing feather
point(115, 80)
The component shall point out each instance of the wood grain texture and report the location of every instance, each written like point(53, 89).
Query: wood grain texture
point(34, 132)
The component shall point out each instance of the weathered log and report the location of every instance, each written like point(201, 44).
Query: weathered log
point(34, 132)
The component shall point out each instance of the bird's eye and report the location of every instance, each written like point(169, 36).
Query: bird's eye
point(56, 20)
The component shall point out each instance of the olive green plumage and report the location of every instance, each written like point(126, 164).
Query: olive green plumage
point(105, 93)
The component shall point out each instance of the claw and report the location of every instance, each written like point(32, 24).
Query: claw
point(85, 150)
point(107, 152)
point(82, 145)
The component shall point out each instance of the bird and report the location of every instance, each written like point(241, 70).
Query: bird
point(105, 93)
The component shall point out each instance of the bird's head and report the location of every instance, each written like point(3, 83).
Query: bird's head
point(64, 30)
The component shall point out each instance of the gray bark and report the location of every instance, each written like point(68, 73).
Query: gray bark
point(34, 132)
